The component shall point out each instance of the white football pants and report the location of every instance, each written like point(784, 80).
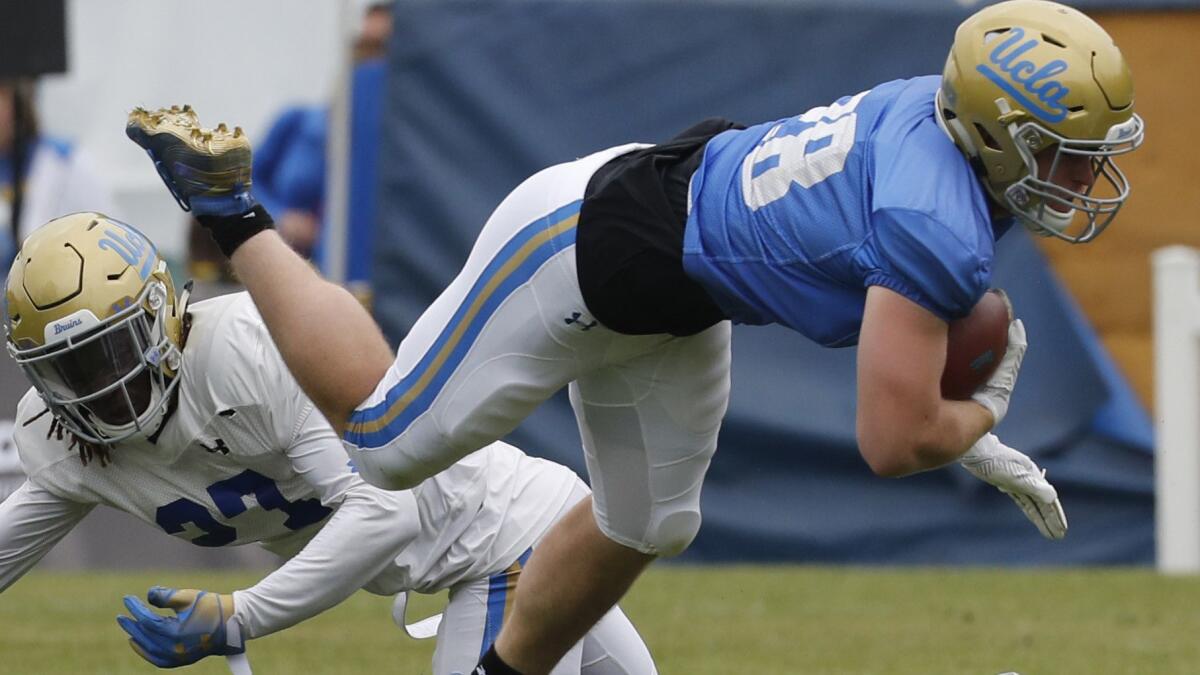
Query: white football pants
point(476, 611)
point(510, 331)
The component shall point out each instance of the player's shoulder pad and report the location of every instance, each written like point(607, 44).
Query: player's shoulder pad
point(929, 263)
point(932, 235)
point(235, 382)
point(31, 434)
point(227, 349)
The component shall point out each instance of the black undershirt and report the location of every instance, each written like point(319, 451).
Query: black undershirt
point(629, 241)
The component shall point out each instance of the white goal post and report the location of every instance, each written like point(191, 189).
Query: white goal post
point(1177, 408)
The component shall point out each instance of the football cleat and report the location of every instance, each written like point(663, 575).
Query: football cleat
point(206, 170)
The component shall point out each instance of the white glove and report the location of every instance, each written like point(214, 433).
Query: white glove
point(1017, 476)
point(994, 393)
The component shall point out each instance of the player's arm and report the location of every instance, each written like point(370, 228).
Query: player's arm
point(364, 535)
point(903, 424)
point(32, 521)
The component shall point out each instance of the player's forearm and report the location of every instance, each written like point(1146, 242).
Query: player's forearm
point(359, 541)
point(923, 441)
point(32, 521)
point(328, 340)
point(960, 425)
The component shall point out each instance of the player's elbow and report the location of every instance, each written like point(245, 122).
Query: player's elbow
point(891, 453)
point(889, 460)
point(895, 455)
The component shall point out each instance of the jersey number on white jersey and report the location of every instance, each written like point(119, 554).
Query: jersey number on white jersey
point(803, 150)
point(228, 495)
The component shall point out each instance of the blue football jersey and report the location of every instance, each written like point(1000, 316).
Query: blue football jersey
point(791, 221)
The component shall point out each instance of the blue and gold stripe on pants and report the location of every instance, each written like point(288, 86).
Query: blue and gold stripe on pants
point(501, 589)
point(515, 264)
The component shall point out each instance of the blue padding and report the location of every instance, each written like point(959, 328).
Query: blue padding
point(365, 127)
point(482, 94)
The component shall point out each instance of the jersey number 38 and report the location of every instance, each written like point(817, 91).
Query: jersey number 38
point(803, 150)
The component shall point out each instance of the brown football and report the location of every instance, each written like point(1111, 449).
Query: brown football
point(975, 346)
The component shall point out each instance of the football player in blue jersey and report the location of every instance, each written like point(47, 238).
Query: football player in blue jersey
point(869, 221)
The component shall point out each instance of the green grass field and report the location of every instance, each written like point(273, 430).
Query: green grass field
point(704, 620)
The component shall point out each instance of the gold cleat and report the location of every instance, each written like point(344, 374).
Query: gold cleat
point(205, 169)
point(184, 124)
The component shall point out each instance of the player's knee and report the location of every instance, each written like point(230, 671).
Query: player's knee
point(388, 470)
point(670, 529)
point(674, 533)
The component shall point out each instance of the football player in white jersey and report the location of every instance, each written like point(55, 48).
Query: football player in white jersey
point(186, 417)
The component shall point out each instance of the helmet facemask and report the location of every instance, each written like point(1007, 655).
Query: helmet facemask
point(1051, 209)
point(111, 380)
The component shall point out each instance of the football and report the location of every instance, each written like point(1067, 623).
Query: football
point(975, 346)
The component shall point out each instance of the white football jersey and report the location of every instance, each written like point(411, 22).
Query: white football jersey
point(245, 457)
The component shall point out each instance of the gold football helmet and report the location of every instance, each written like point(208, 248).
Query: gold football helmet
point(93, 321)
point(1029, 80)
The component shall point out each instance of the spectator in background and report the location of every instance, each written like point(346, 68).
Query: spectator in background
point(289, 173)
point(55, 178)
point(41, 178)
point(289, 164)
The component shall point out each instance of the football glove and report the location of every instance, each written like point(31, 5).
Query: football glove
point(994, 393)
point(203, 626)
point(1017, 476)
point(206, 170)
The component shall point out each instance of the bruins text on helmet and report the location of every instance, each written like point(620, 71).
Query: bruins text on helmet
point(93, 320)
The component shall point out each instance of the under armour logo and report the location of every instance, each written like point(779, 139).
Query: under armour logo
point(218, 447)
point(582, 324)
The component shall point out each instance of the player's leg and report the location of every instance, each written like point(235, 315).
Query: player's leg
point(577, 576)
point(509, 331)
point(649, 426)
point(613, 647)
point(329, 342)
point(474, 615)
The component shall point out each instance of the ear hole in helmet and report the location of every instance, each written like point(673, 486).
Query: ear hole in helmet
point(1051, 40)
point(993, 34)
point(988, 139)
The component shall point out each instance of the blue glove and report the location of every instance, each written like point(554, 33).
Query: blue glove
point(202, 626)
point(208, 171)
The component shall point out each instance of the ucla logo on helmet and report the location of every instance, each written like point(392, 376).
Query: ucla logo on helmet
point(131, 245)
point(1039, 92)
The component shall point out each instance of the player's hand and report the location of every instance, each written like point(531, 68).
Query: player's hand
point(1017, 476)
point(994, 393)
point(203, 626)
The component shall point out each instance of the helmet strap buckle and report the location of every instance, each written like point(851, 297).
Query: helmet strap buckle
point(1018, 195)
point(1031, 138)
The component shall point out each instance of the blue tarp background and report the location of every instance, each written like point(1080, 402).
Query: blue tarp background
point(481, 94)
